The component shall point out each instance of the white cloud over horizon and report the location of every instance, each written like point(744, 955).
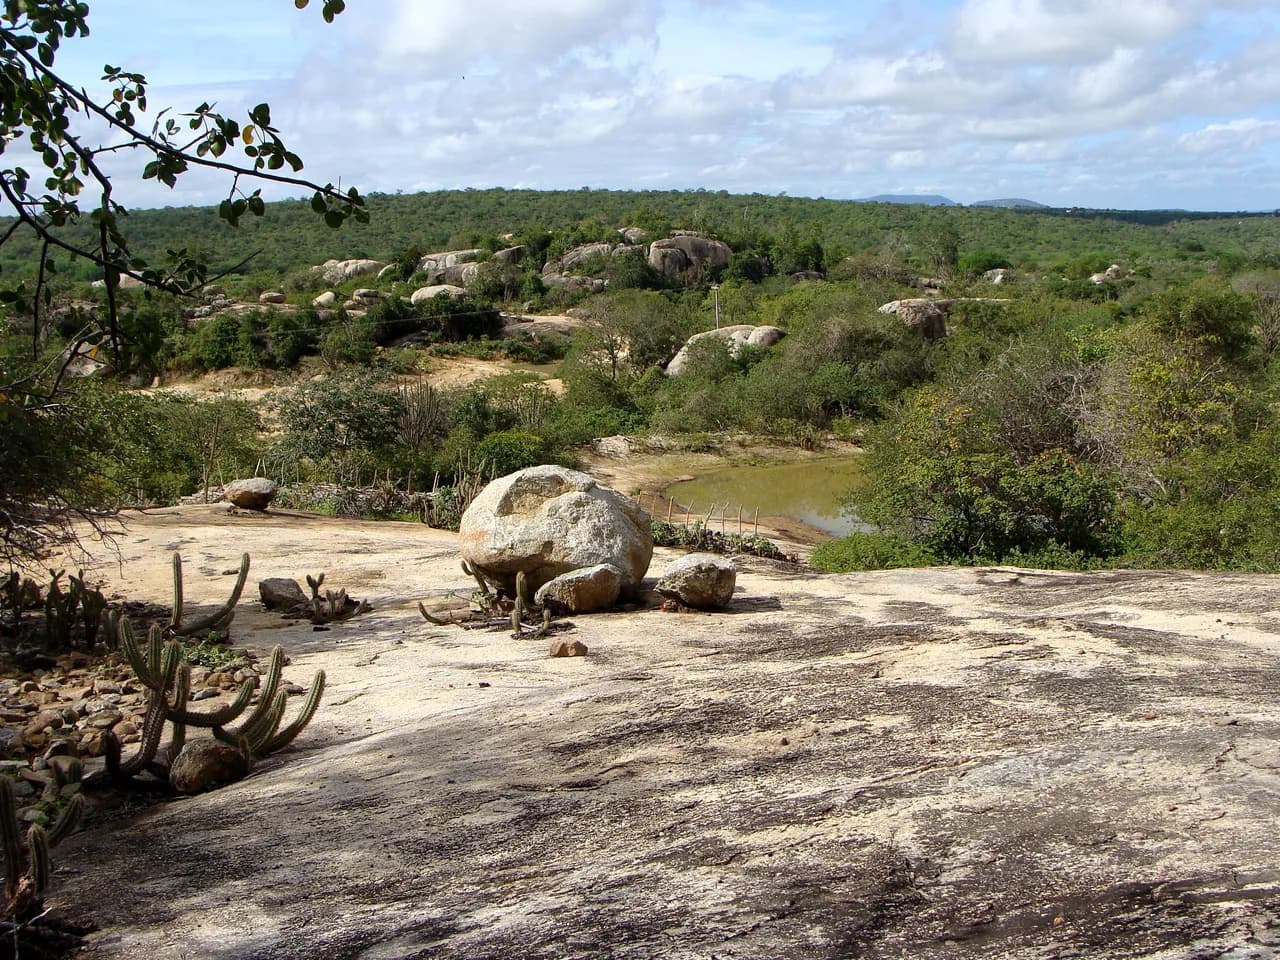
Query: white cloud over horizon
point(1163, 103)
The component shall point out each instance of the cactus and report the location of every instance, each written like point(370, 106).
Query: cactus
point(26, 861)
point(335, 606)
point(59, 613)
point(92, 604)
point(167, 677)
point(109, 629)
point(18, 594)
point(220, 618)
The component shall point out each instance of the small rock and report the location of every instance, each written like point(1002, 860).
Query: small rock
point(125, 728)
point(104, 719)
point(272, 296)
point(205, 764)
point(568, 648)
point(204, 693)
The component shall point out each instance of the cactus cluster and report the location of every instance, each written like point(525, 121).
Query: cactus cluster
point(334, 606)
point(162, 670)
point(73, 616)
point(493, 608)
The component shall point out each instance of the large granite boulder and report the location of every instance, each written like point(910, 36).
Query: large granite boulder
point(575, 257)
point(254, 494)
point(582, 591)
point(701, 580)
point(700, 253)
point(339, 271)
point(426, 293)
point(549, 520)
point(737, 336)
point(443, 260)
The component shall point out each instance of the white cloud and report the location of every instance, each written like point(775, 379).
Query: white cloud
point(1160, 102)
point(514, 34)
point(1039, 31)
point(1244, 134)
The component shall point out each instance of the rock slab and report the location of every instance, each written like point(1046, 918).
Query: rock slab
point(701, 580)
point(548, 520)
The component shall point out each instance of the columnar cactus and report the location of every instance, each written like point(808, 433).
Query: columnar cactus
point(161, 669)
point(217, 620)
point(26, 859)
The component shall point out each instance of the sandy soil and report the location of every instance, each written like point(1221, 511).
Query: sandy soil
point(989, 763)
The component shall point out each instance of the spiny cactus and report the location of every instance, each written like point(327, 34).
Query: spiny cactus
point(59, 612)
point(26, 859)
point(92, 606)
point(217, 620)
point(334, 606)
point(161, 669)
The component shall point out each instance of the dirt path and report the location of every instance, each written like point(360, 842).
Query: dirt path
point(927, 763)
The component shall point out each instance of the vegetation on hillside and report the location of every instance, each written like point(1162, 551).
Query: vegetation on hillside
point(1066, 420)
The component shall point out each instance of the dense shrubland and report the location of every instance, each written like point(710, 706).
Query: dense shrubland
point(1077, 423)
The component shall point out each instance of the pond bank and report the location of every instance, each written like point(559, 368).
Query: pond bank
point(651, 472)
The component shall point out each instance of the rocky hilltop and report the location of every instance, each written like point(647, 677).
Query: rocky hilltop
point(991, 763)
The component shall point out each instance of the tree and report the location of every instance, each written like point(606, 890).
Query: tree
point(59, 122)
point(46, 428)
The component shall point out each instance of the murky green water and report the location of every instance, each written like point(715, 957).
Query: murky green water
point(809, 491)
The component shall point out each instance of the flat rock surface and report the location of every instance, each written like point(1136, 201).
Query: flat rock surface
point(991, 763)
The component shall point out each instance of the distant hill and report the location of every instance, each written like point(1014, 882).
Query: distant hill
point(925, 199)
point(1011, 203)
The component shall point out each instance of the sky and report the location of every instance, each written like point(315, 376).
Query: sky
point(1102, 103)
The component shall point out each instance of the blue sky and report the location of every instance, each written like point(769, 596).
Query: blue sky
point(1105, 103)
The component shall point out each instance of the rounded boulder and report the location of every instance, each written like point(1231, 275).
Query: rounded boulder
point(254, 494)
point(205, 764)
point(701, 580)
point(548, 520)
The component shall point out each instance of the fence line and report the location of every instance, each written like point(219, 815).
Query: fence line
point(727, 513)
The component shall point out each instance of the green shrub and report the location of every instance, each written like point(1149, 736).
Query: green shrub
point(511, 450)
point(869, 551)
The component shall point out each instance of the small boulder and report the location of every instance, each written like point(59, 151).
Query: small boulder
point(326, 299)
point(272, 296)
point(253, 494)
point(281, 593)
point(701, 580)
point(367, 293)
point(205, 764)
point(582, 591)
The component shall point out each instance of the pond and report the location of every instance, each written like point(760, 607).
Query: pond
point(810, 491)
